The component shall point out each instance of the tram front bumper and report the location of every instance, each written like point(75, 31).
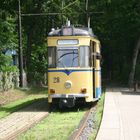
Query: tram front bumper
point(79, 95)
point(67, 100)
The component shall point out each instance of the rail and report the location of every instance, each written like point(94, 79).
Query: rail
point(84, 123)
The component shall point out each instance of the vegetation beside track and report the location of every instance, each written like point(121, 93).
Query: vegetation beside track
point(17, 99)
point(57, 126)
point(98, 117)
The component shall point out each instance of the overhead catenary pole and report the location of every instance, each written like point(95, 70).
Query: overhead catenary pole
point(20, 46)
point(62, 11)
point(88, 14)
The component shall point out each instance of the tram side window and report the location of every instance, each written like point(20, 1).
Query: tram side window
point(84, 56)
point(52, 57)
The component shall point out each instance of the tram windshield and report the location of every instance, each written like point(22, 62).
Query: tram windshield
point(67, 57)
point(63, 57)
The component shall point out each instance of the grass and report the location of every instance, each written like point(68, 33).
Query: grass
point(98, 117)
point(24, 99)
point(13, 95)
point(60, 125)
point(57, 126)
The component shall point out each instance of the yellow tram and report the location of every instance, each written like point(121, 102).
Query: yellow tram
point(74, 70)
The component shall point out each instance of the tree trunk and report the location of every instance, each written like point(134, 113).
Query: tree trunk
point(134, 61)
point(28, 53)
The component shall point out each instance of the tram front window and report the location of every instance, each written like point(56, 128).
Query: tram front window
point(67, 57)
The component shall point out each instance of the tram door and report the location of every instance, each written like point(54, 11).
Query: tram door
point(93, 61)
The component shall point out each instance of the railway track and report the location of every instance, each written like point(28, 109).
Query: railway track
point(86, 125)
point(18, 122)
point(22, 120)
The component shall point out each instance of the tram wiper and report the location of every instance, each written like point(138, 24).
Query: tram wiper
point(65, 55)
point(59, 61)
point(62, 64)
point(73, 60)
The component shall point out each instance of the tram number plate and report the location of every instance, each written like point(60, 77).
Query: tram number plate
point(56, 80)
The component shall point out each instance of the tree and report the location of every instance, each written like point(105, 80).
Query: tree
point(134, 62)
point(8, 36)
point(117, 28)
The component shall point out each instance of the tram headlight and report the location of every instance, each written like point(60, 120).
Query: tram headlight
point(68, 84)
point(83, 90)
point(52, 90)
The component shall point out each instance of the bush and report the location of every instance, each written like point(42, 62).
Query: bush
point(9, 74)
point(9, 80)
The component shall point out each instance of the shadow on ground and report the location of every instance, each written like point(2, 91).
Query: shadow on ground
point(41, 105)
point(77, 107)
point(32, 105)
point(131, 93)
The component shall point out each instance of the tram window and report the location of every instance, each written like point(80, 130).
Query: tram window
point(67, 57)
point(84, 56)
point(51, 57)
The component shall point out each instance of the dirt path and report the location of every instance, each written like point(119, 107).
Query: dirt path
point(22, 120)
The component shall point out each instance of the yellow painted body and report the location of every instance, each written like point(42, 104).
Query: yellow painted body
point(83, 40)
point(80, 77)
point(79, 80)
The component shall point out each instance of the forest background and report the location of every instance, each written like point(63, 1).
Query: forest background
point(116, 23)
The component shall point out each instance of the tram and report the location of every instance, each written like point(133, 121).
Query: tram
point(74, 71)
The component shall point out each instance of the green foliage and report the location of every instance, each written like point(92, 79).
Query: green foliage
point(8, 80)
point(4, 61)
point(117, 28)
point(8, 41)
point(38, 65)
point(9, 74)
point(6, 64)
point(8, 36)
point(39, 59)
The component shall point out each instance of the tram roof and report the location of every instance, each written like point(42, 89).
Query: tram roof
point(72, 31)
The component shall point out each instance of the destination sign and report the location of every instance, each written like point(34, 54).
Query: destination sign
point(68, 42)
